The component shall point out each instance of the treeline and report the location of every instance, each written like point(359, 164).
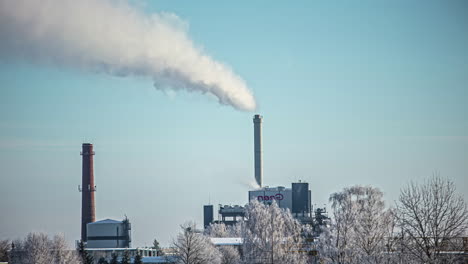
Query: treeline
point(39, 248)
point(426, 224)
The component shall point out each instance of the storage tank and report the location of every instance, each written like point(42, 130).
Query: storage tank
point(109, 233)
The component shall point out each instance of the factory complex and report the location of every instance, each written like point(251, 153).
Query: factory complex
point(297, 198)
point(106, 237)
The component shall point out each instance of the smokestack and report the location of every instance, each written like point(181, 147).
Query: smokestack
point(258, 152)
point(87, 190)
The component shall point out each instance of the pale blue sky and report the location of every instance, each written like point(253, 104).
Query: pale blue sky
point(367, 92)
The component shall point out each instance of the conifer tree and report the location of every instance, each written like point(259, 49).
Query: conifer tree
point(126, 257)
point(85, 256)
point(156, 246)
point(102, 260)
point(114, 259)
point(138, 259)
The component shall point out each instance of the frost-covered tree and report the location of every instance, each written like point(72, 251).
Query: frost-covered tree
point(432, 218)
point(5, 246)
point(360, 227)
point(235, 230)
point(327, 245)
point(222, 230)
point(63, 254)
point(38, 248)
point(373, 225)
point(229, 255)
point(217, 230)
point(194, 248)
point(271, 235)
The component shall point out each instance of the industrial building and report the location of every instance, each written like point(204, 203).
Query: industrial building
point(228, 214)
point(106, 237)
point(105, 233)
point(109, 233)
point(297, 199)
point(146, 253)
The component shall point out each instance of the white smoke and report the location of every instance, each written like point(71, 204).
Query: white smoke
point(249, 184)
point(115, 38)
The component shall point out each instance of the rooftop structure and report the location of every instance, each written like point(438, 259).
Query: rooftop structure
point(109, 233)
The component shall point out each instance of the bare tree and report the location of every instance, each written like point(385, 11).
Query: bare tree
point(222, 230)
point(229, 255)
point(327, 247)
point(271, 235)
point(235, 230)
point(5, 246)
point(432, 218)
point(37, 248)
point(63, 254)
point(360, 227)
point(373, 225)
point(217, 230)
point(194, 248)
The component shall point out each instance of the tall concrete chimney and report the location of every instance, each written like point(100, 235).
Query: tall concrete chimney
point(258, 152)
point(87, 189)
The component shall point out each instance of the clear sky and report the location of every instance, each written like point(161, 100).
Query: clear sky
point(368, 92)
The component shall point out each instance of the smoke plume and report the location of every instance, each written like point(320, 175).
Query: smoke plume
point(249, 184)
point(115, 38)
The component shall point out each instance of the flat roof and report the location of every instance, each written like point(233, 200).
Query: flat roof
point(226, 241)
point(106, 221)
point(117, 249)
